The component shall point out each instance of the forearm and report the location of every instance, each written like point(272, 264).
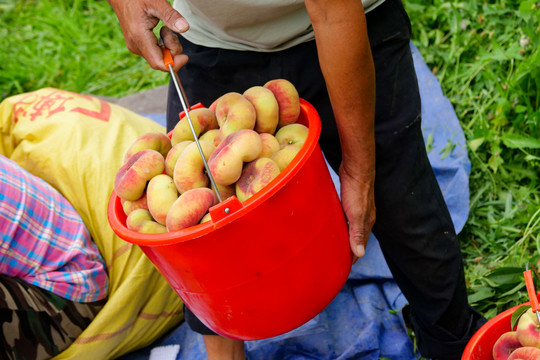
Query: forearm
point(347, 66)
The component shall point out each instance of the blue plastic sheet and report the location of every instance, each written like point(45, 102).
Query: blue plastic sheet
point(364, 320)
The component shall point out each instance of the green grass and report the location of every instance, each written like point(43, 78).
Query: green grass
point(73, 45)
point(484, 53)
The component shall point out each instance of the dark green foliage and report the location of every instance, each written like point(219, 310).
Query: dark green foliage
point(72, 45)
point(485, 54)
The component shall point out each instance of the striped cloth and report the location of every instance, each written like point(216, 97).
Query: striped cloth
point(43, 239)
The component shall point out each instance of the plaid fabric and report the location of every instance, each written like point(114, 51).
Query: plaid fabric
point(44, 241)
point(37, 324)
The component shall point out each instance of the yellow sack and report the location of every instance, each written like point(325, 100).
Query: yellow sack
point(77, 143)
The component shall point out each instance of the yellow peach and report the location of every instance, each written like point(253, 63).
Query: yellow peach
point(211, 136)
point(131, 179)
point(255, 176)
point(203, 119)
point(266, 108)
point(292, 134)
point(234, 112)
point(161, 194)
point(284, 156)
point(189, 171)
point(189, 208)
point(172, 156)
point(270, 145)
point(227, 160)
point(129, 206)
point(153, 140)
point(288, 99)
point(141, 220)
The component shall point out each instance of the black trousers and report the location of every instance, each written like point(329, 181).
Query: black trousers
point(413, 225)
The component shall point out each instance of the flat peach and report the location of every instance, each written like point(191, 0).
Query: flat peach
point(161, 194)
point(205, 218)
point(266, 108)
point(141, 220)
point(255, 176)
point(189, 208)
point(129, 206)
point(293, 134)
point(131, 179)
point(153, 141)
point(528, 330)
point(203, 119)
point(226, 191)
point(189, 171)
point(172, 156)
point(525, 353)
point(234, 112)
point(270, 145)
point(211, 136)
point(505, 345)
point(227, 160)
point(284, 156)
point(288, 99)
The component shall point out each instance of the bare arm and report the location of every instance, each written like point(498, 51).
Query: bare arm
point(138, 18)
point(347, 65)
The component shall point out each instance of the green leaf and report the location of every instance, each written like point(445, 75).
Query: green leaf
point(505, 276)
point(517, 314)
point(526, 8)
point(482, 294)
point(447, 149)
point(429, 143)
point(514, 290)
point(516, 141)
point(495, 161)
point(474, 144)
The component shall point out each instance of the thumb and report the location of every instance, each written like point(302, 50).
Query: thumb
point(358, 240)
point(170, 17)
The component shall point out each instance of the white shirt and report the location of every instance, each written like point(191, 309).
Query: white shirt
point(256, 25)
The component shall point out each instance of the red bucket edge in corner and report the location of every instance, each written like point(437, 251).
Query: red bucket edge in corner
point(480, 346)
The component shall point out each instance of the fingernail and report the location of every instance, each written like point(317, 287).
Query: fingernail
point(360, 250)
point(181, 25)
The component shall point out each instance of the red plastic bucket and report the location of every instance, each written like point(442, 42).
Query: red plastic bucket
point(266, 266)
point(480, 347)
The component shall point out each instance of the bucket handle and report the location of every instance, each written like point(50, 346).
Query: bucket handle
point(225, 208)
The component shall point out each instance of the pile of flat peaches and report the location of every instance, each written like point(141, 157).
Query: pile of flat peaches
point(247, 140)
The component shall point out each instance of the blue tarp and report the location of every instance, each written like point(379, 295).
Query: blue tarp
point(364, 320)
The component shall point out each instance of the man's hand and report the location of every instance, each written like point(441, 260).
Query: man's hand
point(138, 18)
point(358, 201)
